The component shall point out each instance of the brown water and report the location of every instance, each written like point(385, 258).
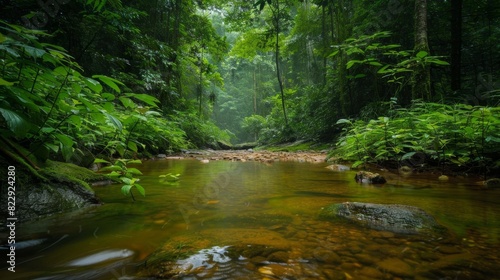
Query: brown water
point(250, 220)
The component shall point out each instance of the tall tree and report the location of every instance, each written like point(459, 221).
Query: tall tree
point(456, 44)
point(421, 82)
point(276, 18)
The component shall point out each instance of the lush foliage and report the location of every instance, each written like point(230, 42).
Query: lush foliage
point(463, 135)
point(126, 175)
point(125, 78)
point(48, 104)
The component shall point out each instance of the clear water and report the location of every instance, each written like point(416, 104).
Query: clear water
point(222, 204)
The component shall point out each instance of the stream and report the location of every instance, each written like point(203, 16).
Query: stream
point(255, 220)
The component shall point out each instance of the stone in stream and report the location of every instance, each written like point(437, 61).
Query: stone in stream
point(388, 217)
point(338, 167)
point(369, 178)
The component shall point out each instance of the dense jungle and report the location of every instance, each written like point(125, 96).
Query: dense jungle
point(99, 97)
point(378, 81)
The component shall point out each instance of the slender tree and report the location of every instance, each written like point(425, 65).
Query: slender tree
point(456, 44)
point(421, 72)
point(276, 18)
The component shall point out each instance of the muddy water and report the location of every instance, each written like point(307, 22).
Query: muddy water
point(250, 220)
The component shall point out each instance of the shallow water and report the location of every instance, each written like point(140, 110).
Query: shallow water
point(250, 220)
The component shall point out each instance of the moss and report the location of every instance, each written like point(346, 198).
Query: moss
point(69, 172)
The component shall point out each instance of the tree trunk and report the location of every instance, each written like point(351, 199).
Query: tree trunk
point(255, 90)
point(456, 44)
point(421, 83)
point(276, 16)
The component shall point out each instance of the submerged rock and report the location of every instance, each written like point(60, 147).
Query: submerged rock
point(492, 183)
point(388, 217)
point(369, 178)
point(338, 167)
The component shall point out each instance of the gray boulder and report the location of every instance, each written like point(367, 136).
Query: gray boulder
point(388, 217)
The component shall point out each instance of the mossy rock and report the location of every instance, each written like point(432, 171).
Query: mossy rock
point(56, 187)
point(396, 218)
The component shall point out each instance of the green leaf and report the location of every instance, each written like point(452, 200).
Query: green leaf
point(33, 52)
point(438, 62)
point(334, 53)
point(421, 54)
point(112, 83)
point(65, 140)
point(100, 160)
point(114, 174)
point(127, 181)
point(127, 102)
point(111, 168)
point(375, 63)
point(135, 161)
point(134, 171)
point(140, 189)
point(148, 99)
point(132, 146)
point(357, 163)
point(94, 85)
point(5, 83)
point(126, 189)
point(108, 96)
point(114, 121)
point(342, 121)
point(15, 122)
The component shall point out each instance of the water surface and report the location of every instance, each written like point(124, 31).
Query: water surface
point(273, 209)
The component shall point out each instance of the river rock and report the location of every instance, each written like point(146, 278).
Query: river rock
point(369, 178)
point(492, 183)
point(388, 217)
point(338, 167)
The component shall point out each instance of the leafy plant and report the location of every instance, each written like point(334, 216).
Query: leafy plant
point(463, 135)
point(126, 175)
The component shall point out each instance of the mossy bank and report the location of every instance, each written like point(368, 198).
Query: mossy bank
point(56, 187)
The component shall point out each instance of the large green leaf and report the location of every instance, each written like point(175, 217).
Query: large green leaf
point(114, 121)
point(93, 85)
point(112, 83)
point(5, 83)
point(65, 140)
point(140, 189)
point(148, 99)
point(15, 122)
point(126, 189)
point(127, 102)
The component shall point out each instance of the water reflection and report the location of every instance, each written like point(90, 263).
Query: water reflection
point(252, 220)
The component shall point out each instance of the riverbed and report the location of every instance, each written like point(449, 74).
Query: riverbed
point(259, 220)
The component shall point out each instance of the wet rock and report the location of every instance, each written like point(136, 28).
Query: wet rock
point(338, 167)
point(492, 183)
point(396, 266)
point(365, 258)
point(371, 272)
point(369, 178)
point(388, 217)
point(443, 178)
point(326, 256)
point(278, 257)
point(58, 187)
point(258, 260)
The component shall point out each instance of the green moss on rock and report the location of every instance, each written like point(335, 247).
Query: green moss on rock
point(56, 187)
